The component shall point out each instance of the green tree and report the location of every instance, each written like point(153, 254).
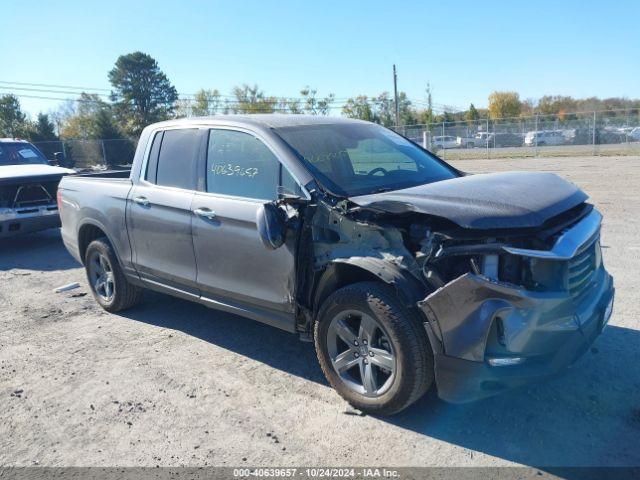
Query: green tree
point(314, 105)
point(79, 119)
point(250, 99)
point(42, 134)
point(206, 102)
point(291, 105)
point(446, 117)
point(117, 149)
point(104, 126)
point(427, 116)
point(142, 93)
point(384, 109)
point(472, 114)
point(408, 115)
point(42, 130)
point(359, 107)
point(557, 105)
point(504, 105)
point(13, 122)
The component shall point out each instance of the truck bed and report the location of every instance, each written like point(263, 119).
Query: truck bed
point(104, 173)
point(100, 198)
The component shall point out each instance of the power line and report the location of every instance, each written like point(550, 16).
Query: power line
point(272, 107)
point(78, 90)
point(225, 100)
point(54, 86)
point(94, 90)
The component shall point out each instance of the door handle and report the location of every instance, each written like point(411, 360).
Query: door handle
point(205, 212)
point(144, 201)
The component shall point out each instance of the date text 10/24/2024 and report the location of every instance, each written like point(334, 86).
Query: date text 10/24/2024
point(318, 472)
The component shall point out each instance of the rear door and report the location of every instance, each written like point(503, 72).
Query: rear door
point(159, 216)
point(234, 267)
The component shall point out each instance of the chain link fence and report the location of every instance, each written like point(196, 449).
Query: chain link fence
point(610, 132)
point(91, 154)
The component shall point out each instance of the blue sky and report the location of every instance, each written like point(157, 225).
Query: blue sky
point(464, 49)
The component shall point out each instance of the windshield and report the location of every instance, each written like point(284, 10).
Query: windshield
point(359, 158)
point(20, 154)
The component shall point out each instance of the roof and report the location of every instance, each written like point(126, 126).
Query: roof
point(267, 120)
point(12, 140)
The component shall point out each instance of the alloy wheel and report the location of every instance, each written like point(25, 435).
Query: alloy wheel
point(101, 276)
point(361, 353)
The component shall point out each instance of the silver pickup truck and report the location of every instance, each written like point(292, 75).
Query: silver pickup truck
point(404, 271)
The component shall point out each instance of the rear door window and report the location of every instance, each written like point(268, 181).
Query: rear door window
point(178, 158)
point(241, 165)
point(152, 164)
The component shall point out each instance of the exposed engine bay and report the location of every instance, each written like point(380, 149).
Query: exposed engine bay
point(494, 297)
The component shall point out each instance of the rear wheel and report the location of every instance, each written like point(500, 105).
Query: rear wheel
point(108, 284)
point(374, 352)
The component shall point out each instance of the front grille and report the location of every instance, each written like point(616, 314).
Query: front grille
point(28, 194)
point(581, 270)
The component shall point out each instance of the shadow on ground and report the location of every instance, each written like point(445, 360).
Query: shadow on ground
point(277, 348)
point(590, 416)
point(41, 251)
point(585, 417)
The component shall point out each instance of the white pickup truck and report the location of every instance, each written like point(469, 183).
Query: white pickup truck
point(28, 188)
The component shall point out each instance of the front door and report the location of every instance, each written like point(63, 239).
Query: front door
point(233, 265)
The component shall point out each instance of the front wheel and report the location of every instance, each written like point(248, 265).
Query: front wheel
point(374, 352)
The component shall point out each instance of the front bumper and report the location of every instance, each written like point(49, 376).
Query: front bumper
point(548, 331)
point(27, 220)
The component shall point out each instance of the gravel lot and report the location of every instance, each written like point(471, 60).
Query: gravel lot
point(173, 383)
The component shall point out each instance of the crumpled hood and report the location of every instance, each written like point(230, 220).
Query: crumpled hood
point(484, 201)
point(22, 171)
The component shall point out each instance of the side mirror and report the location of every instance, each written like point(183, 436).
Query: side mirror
point(271, 223)
point(59, 158)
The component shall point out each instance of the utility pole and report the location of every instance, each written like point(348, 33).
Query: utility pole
point(395, 94)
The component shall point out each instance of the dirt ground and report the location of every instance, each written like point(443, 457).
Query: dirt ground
point(173, 383)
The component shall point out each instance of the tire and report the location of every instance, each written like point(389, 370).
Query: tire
point(121, 294)
point(399, 335)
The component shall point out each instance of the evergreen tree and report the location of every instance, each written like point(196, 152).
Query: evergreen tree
point(142, 93)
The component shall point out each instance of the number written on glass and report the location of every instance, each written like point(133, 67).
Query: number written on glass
point(237, 170)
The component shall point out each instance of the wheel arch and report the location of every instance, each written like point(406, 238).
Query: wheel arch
point(89, 231)
point(346, 271)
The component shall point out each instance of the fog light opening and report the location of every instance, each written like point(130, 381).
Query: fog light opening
point(505, 361)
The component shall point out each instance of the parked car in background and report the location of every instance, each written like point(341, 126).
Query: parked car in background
point(405, 272)
point(543, 138)
point(506, 139)
point(611, 135)
point(480, 139)
point(444, 142)
point(634, 134)
point(28, 188)
point(466, 142)
point(490, 139)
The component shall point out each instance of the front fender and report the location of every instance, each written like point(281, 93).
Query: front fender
point(409, 289)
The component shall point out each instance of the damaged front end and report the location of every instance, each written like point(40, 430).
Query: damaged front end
point(501, 307)
point(527, 307)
